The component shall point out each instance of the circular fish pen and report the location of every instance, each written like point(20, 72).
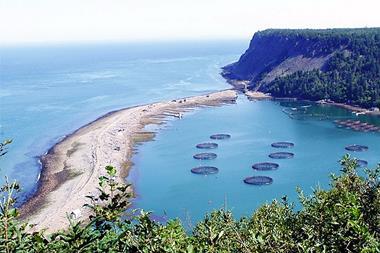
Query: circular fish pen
point(265, 166)
point(362, 163)
point(220, 136)
point(258, 180)
point(205, 156)
point(207, 145)
point(281, 155)
point(205, 170)
point(282, 144)
point(356, 148)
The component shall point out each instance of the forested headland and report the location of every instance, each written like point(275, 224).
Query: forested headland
point(342, 65)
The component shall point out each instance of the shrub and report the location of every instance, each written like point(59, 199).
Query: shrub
point(344, 218)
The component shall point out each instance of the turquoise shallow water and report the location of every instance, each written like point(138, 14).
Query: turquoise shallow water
point(48, 91)
point(162, 167)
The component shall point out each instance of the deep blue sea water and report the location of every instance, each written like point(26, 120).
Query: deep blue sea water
point(47, 92)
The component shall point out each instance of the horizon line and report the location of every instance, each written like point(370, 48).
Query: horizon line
point(160, 40)
point(116, 41)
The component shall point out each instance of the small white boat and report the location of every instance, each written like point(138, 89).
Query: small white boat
point(358, 113)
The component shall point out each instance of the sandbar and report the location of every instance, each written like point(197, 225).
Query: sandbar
point(71, 168)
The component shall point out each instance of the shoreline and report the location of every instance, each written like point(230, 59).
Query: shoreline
point(242, 85)
point(353, 109)
point(71, 168)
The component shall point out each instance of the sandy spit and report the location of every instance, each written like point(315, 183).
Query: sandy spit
point(256, 95)
point(72, 167)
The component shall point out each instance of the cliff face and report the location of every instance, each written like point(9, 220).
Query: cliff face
point(342, 65)
point(275, 53)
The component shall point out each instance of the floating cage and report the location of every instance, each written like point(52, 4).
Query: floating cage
point(357, 122)
point(205, 170)
point(205, 156)
point(207, 145)
point(356, 148)
point(258, 180)
point(357, 125)
point(265, 166)
point(282, 144)
point(362, 163)
point(220, 136)
point(281, 155)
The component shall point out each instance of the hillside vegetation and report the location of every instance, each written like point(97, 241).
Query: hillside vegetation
point(345, 218)
point(338, 64)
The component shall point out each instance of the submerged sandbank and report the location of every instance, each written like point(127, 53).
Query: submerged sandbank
point(72, 167)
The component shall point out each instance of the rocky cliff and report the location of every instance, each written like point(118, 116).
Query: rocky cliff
point(338, 64)
point(273, 53)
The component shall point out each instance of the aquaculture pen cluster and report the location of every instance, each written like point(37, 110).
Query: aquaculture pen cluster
point(266, 166)
point(207, 170)
point(263, 166)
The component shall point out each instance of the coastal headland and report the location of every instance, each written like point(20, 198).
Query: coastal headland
point(71, 168)
point(325, 65)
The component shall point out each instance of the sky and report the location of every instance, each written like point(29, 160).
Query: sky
point(24, 21)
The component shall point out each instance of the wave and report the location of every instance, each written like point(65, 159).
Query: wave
point(87, 77)
point(170, 60)
point(5, 93)
point(47, 107)
point(94, 99)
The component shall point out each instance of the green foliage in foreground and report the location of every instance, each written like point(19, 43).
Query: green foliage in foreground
point(345, 218)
